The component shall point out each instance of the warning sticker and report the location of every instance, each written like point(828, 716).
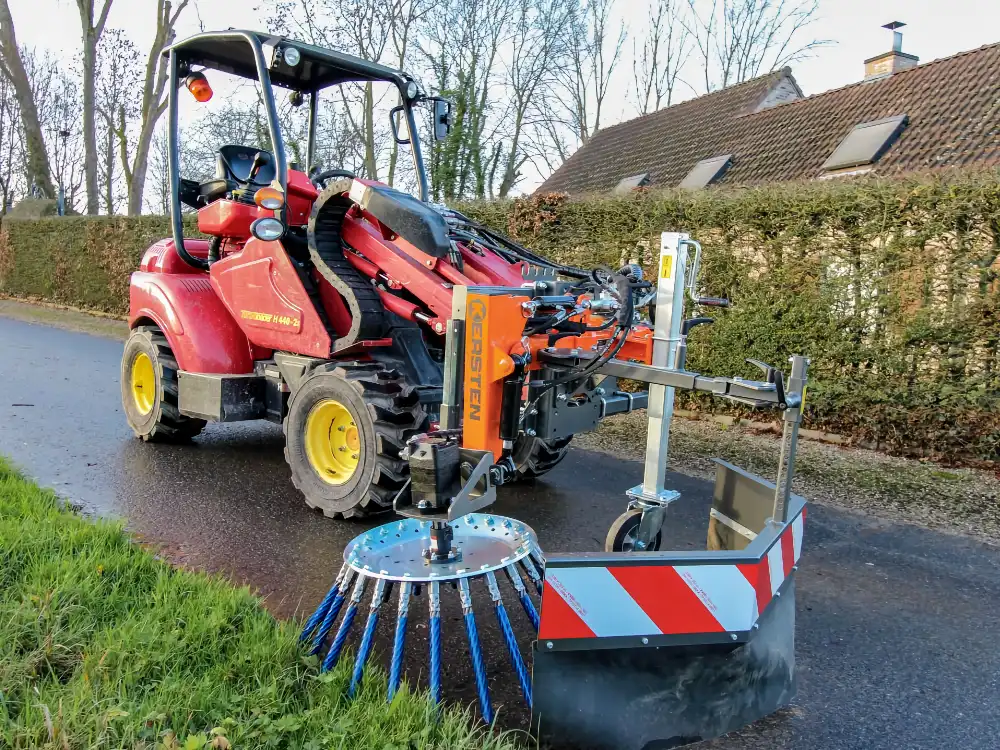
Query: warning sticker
point(666, 266)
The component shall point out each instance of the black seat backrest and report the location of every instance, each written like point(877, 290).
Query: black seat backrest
point(234, 162)
point(413, 220)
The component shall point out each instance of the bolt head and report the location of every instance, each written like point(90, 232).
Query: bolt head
point(549, 644)
point(645, 641)
point(733, 636)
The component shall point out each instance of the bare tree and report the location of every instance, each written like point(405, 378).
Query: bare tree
point(153, 104)
point(536, 47)
point(12, 67)
point(595, 49)
point(11, 146)
point(665, 51)
point(119, 86)
point(57, 91)
point(404, 22)
point(93, 17)
point(737, 40)
point(462, 46)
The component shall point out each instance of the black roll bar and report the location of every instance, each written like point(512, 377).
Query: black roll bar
point(273, 126)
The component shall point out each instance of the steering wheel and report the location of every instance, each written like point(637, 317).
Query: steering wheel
point(320, 179)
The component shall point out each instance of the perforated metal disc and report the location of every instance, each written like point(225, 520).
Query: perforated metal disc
point(395, 551)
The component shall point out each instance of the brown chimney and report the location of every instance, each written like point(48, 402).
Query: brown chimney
point(890, 62)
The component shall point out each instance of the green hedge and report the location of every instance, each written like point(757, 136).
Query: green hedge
point(79, 261)
point(890, 287)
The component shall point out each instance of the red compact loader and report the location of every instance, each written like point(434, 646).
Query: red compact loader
point(319, 301)
point(417, 360)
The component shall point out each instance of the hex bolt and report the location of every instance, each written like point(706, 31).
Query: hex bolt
point(599, 391)
point(533, 412)
point(645, 641)
point(423, 505)
point(342, 449)
point(530, 432)
point(341, 428)
point(549, 644)
point(733, 636)
point(354, 455)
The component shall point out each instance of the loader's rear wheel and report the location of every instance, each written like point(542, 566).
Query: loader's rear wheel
point(149, 389)
point(535, 457)
point(345, 427)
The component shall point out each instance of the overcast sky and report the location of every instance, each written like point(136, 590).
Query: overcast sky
point(935, 28)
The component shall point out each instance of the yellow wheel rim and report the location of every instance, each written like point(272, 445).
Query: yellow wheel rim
point(333, 445)
point(143, 383)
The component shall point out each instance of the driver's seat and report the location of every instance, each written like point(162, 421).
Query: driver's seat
point(232, 169)
point(234, 163)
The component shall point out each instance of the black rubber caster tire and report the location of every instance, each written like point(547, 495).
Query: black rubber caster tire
point(623, 532)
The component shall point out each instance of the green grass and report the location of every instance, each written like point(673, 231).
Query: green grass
point(102, 645)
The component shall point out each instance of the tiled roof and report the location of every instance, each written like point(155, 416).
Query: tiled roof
point(953, 106)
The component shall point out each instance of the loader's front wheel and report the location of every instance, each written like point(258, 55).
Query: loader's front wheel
point(345, 427)
point(149, 389)
point(535, 457)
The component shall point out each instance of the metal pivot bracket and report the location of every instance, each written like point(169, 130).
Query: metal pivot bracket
point(477, 492)
point(654, 512)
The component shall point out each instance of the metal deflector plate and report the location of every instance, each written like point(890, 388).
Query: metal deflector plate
point(395, 551)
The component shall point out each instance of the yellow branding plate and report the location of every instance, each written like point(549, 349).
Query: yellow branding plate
point(271, 319)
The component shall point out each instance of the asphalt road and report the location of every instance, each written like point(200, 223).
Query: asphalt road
point(897, 626)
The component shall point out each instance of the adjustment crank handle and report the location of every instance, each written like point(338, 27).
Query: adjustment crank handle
point(712, 301)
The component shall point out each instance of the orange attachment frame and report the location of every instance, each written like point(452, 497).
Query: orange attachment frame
point(494, 329)
point(493, 326)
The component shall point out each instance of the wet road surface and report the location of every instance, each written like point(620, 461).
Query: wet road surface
point(897, 626)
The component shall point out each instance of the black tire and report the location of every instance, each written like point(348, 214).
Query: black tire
point(385, 411)
point(153, 414)
point(622, 534)
point(535, 457)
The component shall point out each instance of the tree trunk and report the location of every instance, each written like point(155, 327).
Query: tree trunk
point(109, 168)
point(89, 121)
point(371, 165)
point(91, 35)
point(37, 167)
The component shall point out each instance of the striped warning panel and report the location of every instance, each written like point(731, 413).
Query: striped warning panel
point(636, 600)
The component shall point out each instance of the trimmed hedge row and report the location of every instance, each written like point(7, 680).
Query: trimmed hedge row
point(890, 287)
point(75, 260)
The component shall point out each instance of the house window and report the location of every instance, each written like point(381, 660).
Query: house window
point(706, 172)
point(866, 143)
point(631, 183)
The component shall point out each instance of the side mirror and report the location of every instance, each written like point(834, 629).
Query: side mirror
point(442, 119)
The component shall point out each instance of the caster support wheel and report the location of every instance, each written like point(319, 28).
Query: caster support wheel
point(623, 536)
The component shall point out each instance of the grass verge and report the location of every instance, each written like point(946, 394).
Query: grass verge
point(104, 645)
